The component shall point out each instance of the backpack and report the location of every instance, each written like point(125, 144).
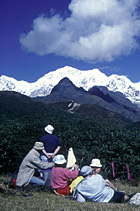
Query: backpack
point(12, 181)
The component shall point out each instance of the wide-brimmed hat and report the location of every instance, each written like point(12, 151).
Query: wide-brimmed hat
point(38, 146)
point(59, 159)
point(49, 129)
point(85, 170)
point(95, 163)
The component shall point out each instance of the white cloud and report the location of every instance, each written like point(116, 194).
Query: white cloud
point(97, 30)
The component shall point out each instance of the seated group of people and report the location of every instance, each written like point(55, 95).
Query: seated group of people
point(85, 184)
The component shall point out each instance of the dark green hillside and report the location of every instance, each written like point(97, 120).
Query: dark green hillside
point(14, 105)
point(134, 126)
point(95, 112)
point(89, 137)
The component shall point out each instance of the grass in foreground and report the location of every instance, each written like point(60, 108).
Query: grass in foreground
point(13, 200)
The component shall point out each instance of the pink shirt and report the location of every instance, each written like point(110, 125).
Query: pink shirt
point(59, 177)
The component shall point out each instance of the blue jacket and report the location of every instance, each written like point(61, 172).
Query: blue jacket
point(93, 188)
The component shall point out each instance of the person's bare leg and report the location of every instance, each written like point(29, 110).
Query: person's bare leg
point(126, 198)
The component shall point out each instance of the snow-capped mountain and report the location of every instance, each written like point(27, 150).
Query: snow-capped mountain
point(85, 79)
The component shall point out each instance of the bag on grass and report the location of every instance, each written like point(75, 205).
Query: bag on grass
point(135, 199)
point(12, 181)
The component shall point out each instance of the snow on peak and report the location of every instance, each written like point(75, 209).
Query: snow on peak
point(80, 78)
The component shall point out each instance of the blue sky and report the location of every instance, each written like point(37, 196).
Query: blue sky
point(39, 36)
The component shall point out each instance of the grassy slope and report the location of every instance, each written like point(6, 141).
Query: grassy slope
point(44, 201)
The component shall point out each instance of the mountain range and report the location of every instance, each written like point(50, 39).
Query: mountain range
point(85, 79)
point(66, 91)
point(75, 91)
point(17, 106)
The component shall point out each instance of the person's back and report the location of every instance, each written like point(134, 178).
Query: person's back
point(60, 176)
point(51, 143)
point(94, 188)
point(30, 163)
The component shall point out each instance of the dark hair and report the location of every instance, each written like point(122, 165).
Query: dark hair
point(94, 168)
point(60, 165)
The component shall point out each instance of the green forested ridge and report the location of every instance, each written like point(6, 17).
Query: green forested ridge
point(88, 137)
point(14, 105)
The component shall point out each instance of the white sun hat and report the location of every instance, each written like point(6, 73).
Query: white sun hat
point(95, 163)
point(59, 159)
point(49, 129)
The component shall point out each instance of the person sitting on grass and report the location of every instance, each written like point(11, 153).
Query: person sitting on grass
point(31, 163)
point(60, 176)
point(94, 188)
point(96, 167)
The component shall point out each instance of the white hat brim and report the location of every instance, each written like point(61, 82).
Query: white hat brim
point(97, 166)
point(60, 162)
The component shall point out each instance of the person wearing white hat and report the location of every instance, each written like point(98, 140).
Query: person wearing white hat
point(51, 143)
point(30, 163)
point(94, 188)
point(96, 163)
point(60, 176)
point(96, 167)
